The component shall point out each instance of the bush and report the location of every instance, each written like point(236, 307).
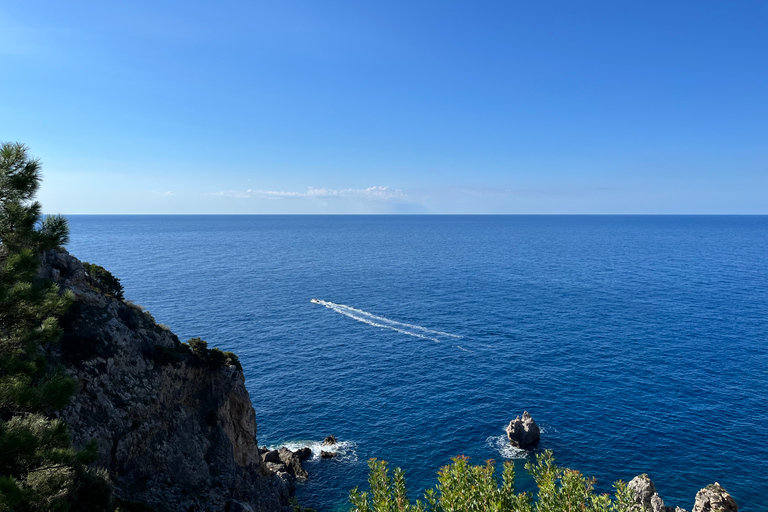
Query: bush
point(102, 280)
point(215, 358)
point(464, 487)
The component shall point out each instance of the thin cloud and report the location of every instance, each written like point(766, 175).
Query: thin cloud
point(369, 194)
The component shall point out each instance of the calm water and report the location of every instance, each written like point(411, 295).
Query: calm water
point(638, 343)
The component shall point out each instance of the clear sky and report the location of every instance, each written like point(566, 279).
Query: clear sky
point(390, 106)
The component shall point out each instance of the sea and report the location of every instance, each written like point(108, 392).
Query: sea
point(639, 344)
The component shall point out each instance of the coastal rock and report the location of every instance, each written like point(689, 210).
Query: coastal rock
point(271, 456)
point(293, 462)
point(173, 432)
point(303, 453)
point(714, 498)
point(523, 432)
point(645, 496)
point(327, 455)
point(642, 489)
point(329, 441)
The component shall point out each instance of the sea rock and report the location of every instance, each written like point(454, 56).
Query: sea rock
point(293, 462)
point(329, 441)
point(642, 489)
point(165, 422)
point(645, 496)
point(271, 456)
point(714, 498)
point(523, 433)
point(303, 453)
point(327, 455)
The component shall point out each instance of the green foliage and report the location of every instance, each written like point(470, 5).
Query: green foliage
point(294, 503)
point(102, 280)
point(214, 358)
point(39, 469)
point(463, 487)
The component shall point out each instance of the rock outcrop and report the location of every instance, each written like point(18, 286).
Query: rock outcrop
point(714, 498)
point(646, 497)
point(523, 432)
point(174, 431)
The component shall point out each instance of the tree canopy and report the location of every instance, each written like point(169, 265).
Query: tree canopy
point(39, 469)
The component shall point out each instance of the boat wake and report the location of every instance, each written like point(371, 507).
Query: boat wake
point(385, 323)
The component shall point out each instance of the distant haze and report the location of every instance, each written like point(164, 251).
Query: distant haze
point(390, 107)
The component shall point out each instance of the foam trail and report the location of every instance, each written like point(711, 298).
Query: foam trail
point(383, 322)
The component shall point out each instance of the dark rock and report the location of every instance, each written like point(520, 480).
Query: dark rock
point(293, 462)
point(523, 433)
point(277, 467)
point(239, 506)
point(714, 498)
point(329, 441)
point(303, 453)
point(327, 455)
point(271, 456)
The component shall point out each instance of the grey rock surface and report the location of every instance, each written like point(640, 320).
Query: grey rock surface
point(172, 432)
point(523, 432)
point(714, 498)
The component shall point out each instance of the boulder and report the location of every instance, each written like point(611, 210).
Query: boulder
point(645, 496)
point(303, 453)
point(329, 441)
point(523, 433)
point(271, 456)
point(642, 490)
point(292, 461)
point(714, 498)
point(327, 455)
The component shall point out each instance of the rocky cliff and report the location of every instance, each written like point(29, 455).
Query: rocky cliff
point(175, 430)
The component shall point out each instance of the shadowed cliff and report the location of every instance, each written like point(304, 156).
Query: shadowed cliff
point(176, 429)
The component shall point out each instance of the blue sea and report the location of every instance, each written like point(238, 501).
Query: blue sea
point(638, 343)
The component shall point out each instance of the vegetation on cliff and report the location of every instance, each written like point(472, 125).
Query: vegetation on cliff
point(39, 469)
point(466, 487)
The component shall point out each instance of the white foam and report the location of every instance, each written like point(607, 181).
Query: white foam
point(346, 451)
point(385, 323)
point(504, 447)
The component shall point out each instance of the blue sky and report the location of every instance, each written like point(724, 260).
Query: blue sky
point(390, 107)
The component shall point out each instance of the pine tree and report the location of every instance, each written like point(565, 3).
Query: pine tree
point(39, 469)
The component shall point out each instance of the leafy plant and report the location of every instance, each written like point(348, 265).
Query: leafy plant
point(102, 280)
point(463, 487)
point(215, 358)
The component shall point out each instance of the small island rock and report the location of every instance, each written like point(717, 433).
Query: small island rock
point(645, 496)
point(523, 433)
point(303, 453)
point(714, 498)
point(329, 441)
point(327, 455)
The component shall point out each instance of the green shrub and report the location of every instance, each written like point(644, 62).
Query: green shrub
point(102, 280)
point(464, 487)
point(199, 347)
point(214, 358)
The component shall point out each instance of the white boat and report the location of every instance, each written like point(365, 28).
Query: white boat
point(315, 301)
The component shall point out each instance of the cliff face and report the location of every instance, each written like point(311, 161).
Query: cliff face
point(173, 431)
